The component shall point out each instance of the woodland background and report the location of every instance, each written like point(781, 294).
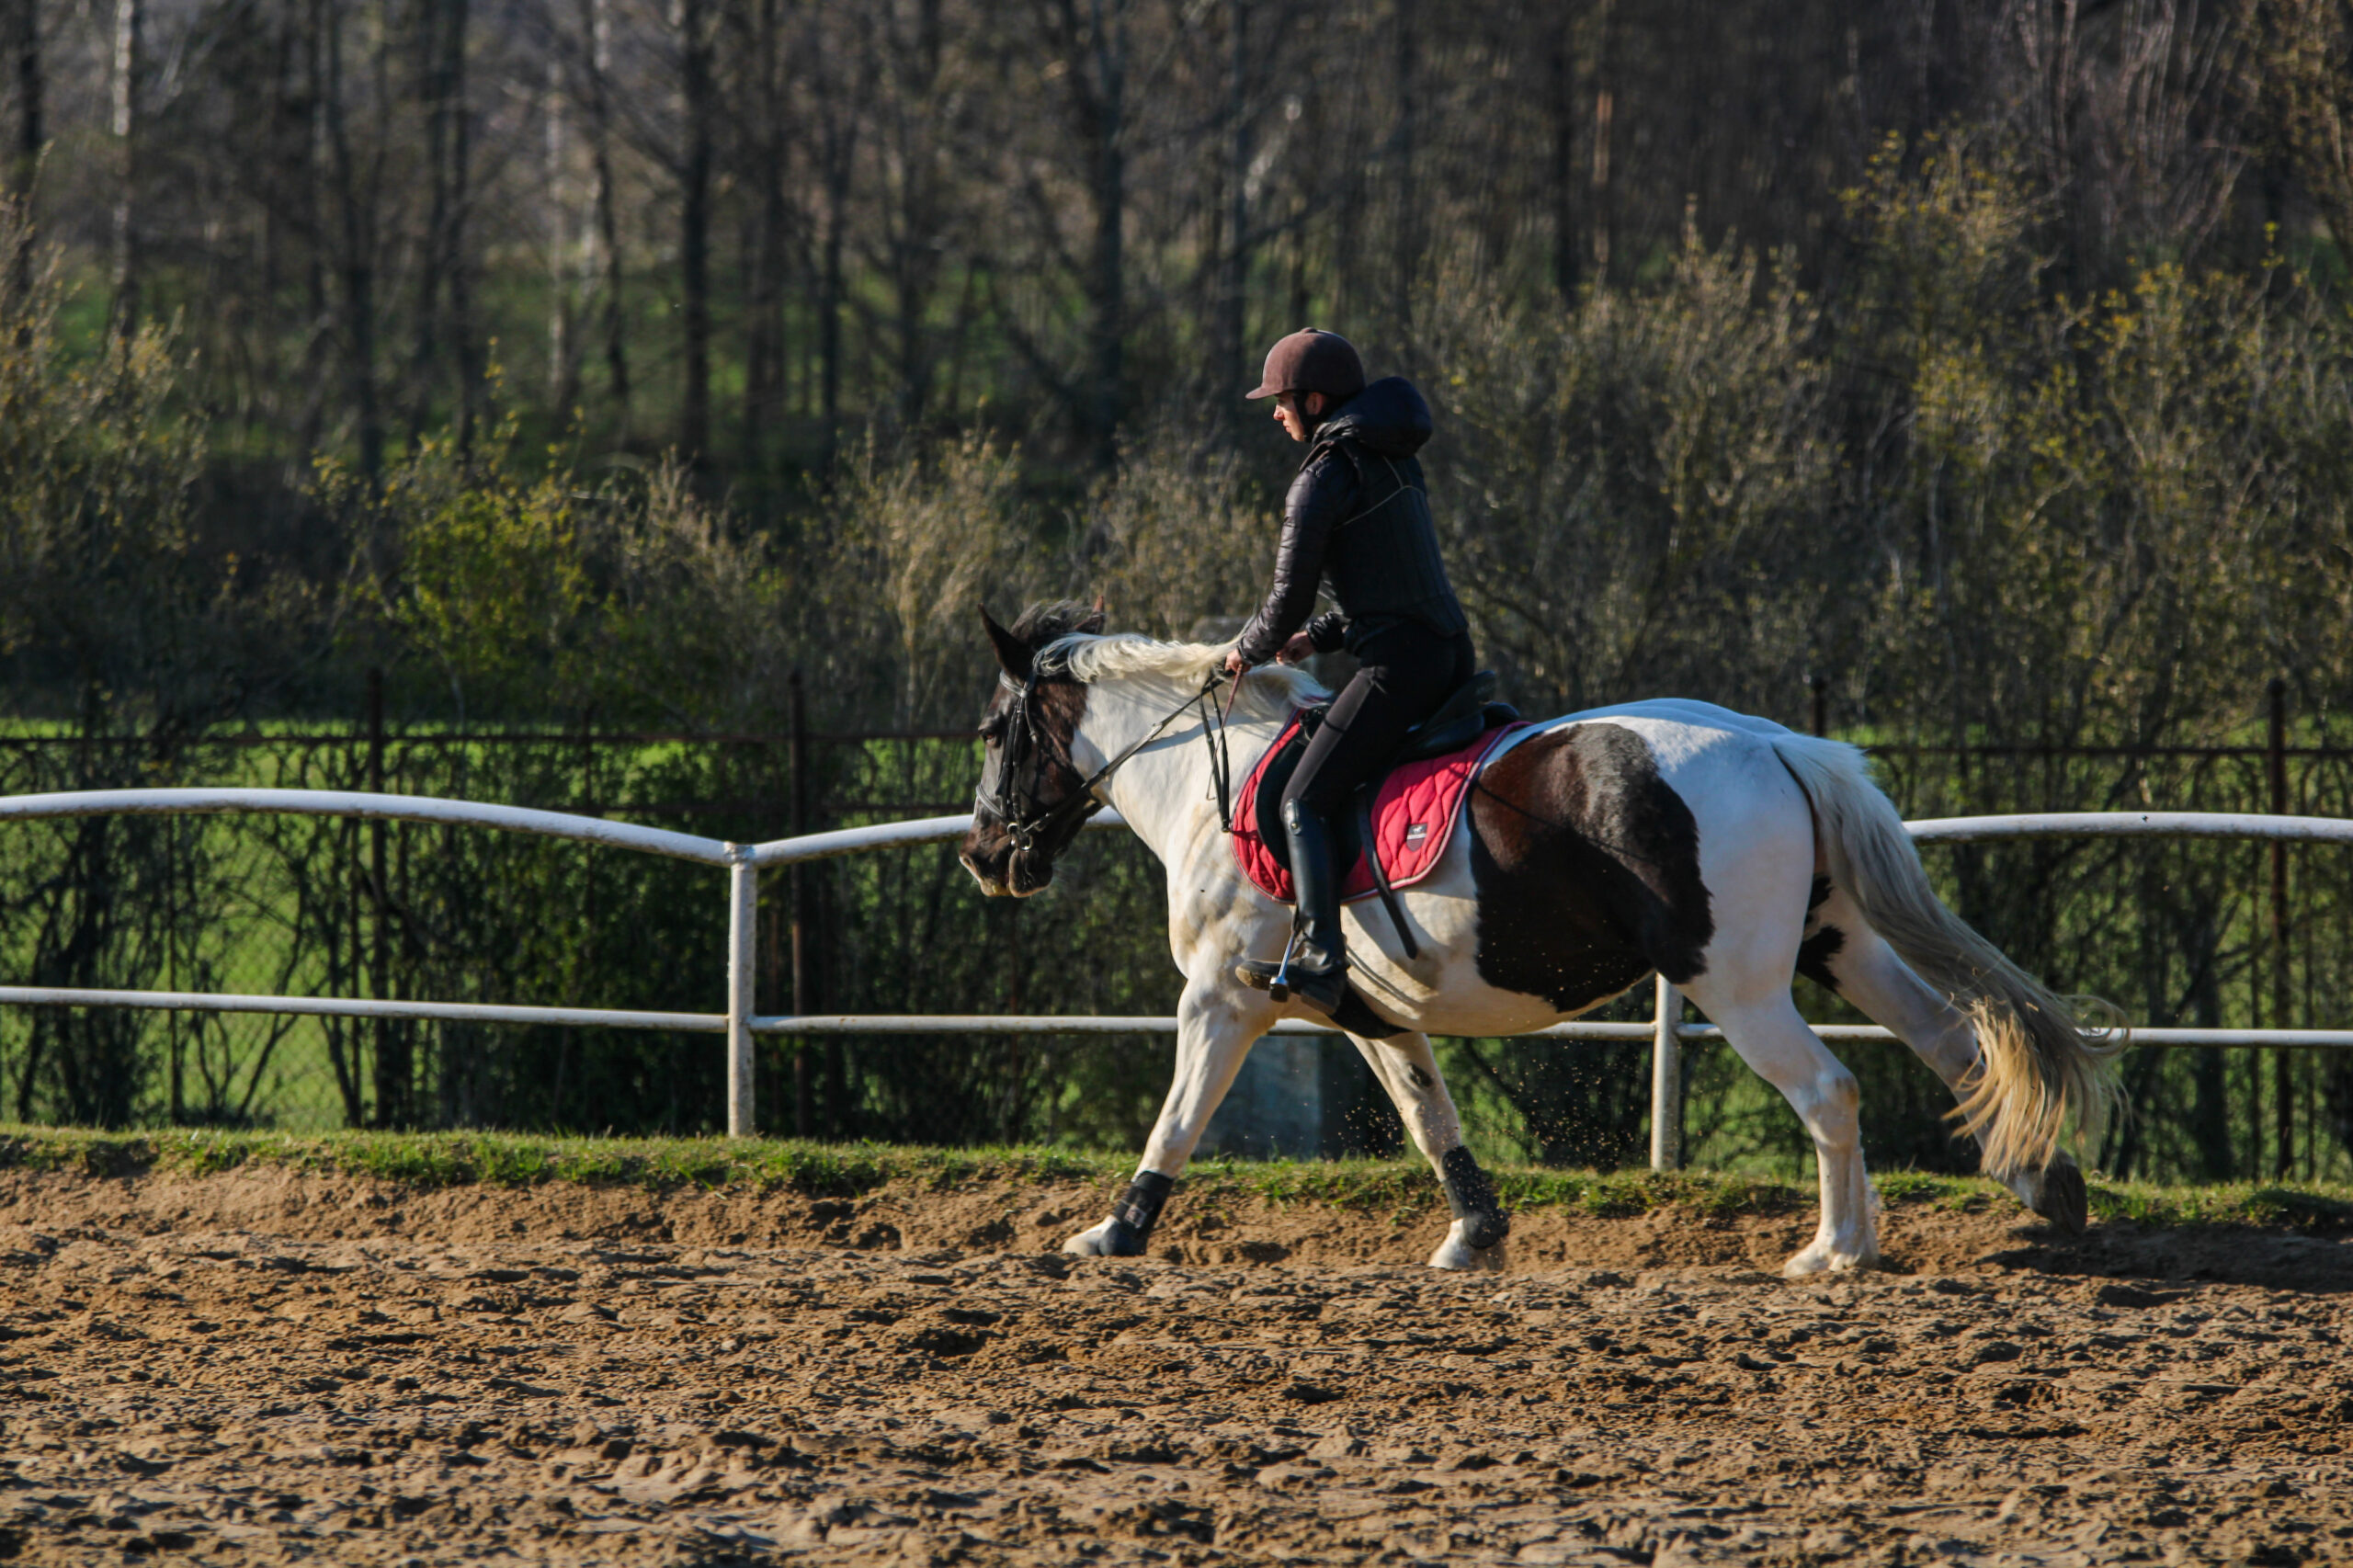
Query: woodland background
point(537, 400)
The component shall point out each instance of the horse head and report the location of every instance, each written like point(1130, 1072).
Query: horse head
point(1031, 801)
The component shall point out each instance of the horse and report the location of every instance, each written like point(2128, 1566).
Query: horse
point(1723, 852)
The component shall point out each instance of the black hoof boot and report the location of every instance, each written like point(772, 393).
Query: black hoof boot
point(2063, 1200)
point(1128, 1233)
point(1472, 1197)
point(1124, 1240)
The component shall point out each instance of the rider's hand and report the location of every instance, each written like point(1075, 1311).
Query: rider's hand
point(1299, 648)
point(1236, 666)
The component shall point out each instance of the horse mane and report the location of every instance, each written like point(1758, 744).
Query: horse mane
point(1269, 692)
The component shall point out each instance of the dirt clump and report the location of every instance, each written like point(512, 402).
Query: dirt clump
point(272, 1365)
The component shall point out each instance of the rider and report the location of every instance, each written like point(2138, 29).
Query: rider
point(1358, 514)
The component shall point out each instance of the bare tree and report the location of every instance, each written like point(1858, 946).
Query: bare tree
point(564, 355)
point(22, 41)
point(2305, 61)
point(910, 44)
point(597, 18)
point(349, 206)
point(698, 112)
point(1600, 213)
point(1560, 113)
point(841, 78)
point(442, 32)
point(129, 24)
point(765, 170)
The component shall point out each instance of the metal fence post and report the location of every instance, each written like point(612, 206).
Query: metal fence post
point(1666, 1080)
point(742, 929)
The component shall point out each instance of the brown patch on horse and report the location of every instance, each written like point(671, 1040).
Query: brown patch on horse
point(1587, 867)
point(1816, 954)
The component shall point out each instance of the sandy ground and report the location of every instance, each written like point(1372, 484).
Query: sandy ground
point(265, 1366)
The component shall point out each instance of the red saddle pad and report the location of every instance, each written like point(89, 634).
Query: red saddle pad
point(1412, 818)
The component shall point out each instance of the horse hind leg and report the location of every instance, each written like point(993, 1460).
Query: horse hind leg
point(1776, 1043)
point(1856, 962)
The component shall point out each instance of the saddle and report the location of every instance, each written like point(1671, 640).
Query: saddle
point(1406, 812)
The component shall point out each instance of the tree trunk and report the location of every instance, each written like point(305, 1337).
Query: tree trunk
point(448, 155)
point(461, 195)
point(1560, 104)
point(1232, 354)
point(564, 360)
point(597, 13)
point(128, 22)
point(1108, 330)
point(1405, 239)
point(355, 232)
point(691, 22)
point(764, 323)
point(24, 47)
point(21, 161)
point(839, 145)
point(435, 94)
point(1604, 111)
point(916, 253)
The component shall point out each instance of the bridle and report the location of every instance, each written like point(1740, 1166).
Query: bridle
point(1022, 756)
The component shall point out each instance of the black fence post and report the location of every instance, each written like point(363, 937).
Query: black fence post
point(392, 1055)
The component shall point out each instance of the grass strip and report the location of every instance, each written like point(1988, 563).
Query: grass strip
point(1397, 1186)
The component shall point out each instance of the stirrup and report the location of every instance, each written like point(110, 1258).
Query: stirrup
point(1326, 992)
point(1279, 986)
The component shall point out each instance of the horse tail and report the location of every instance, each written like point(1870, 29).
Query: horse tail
point(2036, 1073)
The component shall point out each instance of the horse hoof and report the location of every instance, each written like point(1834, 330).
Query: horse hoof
point(1456, 1255)
point(1113, 1238)
point(1822, 1257)
point(2062, 1198)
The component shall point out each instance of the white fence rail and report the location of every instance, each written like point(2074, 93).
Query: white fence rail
point(1667, 1031)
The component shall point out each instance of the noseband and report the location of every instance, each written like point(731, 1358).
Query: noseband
point(1021, 766)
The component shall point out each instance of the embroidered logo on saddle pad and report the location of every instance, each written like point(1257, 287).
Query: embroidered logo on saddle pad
point(1413, 814)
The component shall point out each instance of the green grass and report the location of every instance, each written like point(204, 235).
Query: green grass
point(1395, 1187)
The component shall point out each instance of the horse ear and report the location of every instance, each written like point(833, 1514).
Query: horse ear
point(1096, 619)
point(1011, 652)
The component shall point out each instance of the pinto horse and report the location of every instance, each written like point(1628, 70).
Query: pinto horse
point(1724, 852)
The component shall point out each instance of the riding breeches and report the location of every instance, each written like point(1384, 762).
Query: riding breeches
point(1407, 670)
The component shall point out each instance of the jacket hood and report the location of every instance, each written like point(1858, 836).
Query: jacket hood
point(1388, 418)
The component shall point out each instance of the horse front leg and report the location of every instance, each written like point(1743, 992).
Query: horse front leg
point(1409, 1073)
point(1216, 1025)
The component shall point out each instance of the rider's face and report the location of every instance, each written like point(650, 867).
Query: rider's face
point(1297, 414)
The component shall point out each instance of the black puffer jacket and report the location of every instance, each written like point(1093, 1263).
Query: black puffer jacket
point(1359, 515)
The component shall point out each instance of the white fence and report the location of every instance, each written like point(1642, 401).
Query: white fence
point(1667, 1031)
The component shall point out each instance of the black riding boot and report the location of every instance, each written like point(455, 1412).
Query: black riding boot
point(1317, 967)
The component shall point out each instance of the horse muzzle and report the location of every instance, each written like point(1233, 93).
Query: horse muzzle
point(1005, 871)
point(991, 883)
point(1029, 873)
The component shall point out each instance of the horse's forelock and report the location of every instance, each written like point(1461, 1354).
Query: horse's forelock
point(1051, 620)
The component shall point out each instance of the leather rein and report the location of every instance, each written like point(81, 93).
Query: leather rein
point(1031, 825)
